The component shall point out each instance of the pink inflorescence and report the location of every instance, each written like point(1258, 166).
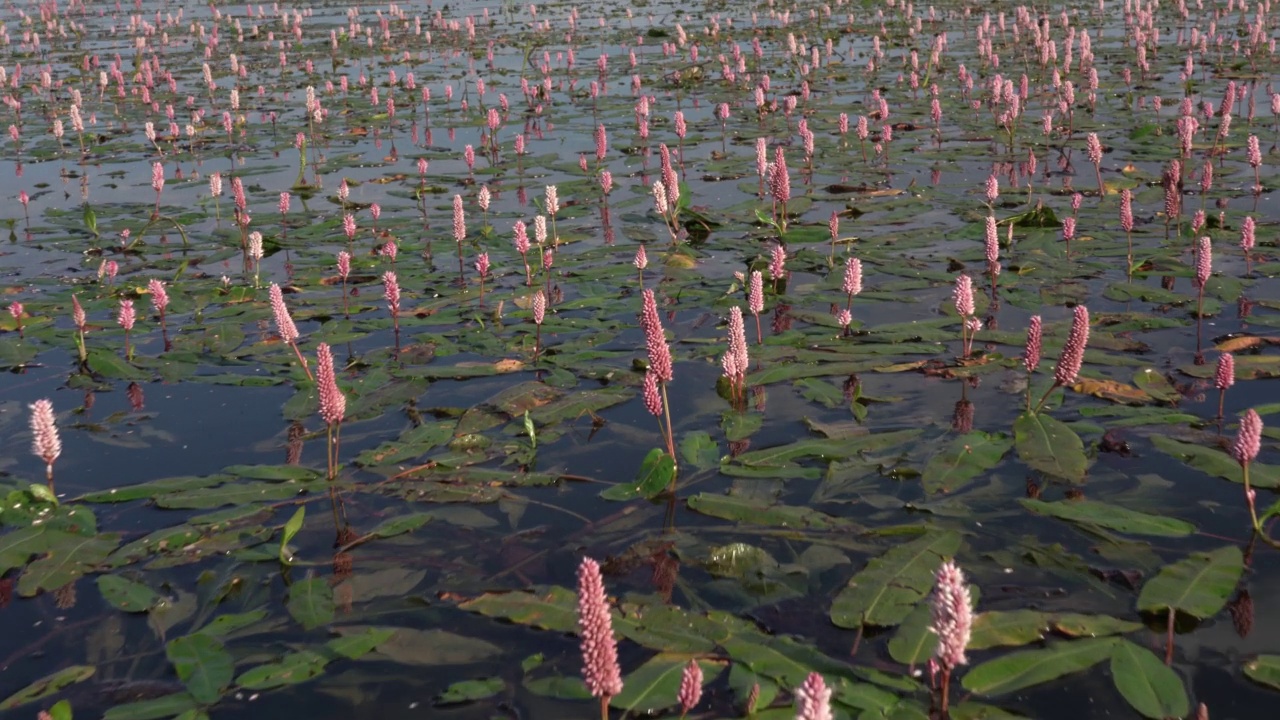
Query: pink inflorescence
point(1224, 375)
point(45, 443)
point(1248, 438)
point(1031, 354)
point(690, 686)
point(333, 404)
point(1072, 358)
point(813, 699)
point(655, 338)
point(284, 324)
point(952, 615)
point(600, 668)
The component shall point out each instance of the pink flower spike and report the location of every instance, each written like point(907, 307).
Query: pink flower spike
point(1224, 375)
point(952, 615)
point(1072, 358)
point(813, 699)
point(344, 264)
point(600, 667)
point(1248, 440)
point(655, 338)
point(391, 291)
point(482, 264)
point(963, 296)
point(159, 296)
point(642, 259)
point(1031, 354)
point(333, 404)
point(284, 324)
point(45, 443)
point(127, 314)
point(690, 687)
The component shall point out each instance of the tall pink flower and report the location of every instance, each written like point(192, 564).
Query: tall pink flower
point(1248, 440)
point(126, 316)
point(459, 221)
point(738, 342)
point(284, 323)
point(655, 338)
point(602, 143)
point(813, 699)
point(344, 264)
point(45, 443)
point(539, 308)
point(1248, 230)
point(333, 404)
point(852, 283)
point(690, 687)
point(755, 293)
point(1204, 262)
point(650, 393)
point(962, 294)
point(1126, 210)
point(159, 296)
point(1224, 375)
point(780, 181)
point(1031, 353)
point(1072, 357)
point(600, 668)
point(952, 615)
point(641, 260)
point(391, 291)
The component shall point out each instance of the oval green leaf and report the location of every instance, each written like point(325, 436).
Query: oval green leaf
point(1028, 668)
point(1150, 686)
point(1046, 444)
point(1198, 585)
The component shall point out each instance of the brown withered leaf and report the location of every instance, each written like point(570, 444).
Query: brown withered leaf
point(1117, 392)
point(1245, 342)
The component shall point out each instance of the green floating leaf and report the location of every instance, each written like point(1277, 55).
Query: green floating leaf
point(291, 528)
point(400, 525)
point(126, 595)
point(353, 645)
point(967, 457)
point(1218, 463)
point(1150, 686)
point(1111, 517)
point(914, 642)
point(1007, 628)
point(1264, 669)
point(273, 473)
point(470, 690)
point(657, 471)
point(202, 664)
point(67, 557)
point(554, 608)
point(699, 450)
point(1198, 586)
point(225, 625)
point(1028, 668)
point(653, 686)
point(230, 494)
point(828, 449)
point(1047, 445)
point(885, 592)
point(1080, 625)
point(434, 648)
point(311, 602)
point(756, 512)
point(161, 707)
point(48, 685)
point(292, 669)
point(564, 688)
